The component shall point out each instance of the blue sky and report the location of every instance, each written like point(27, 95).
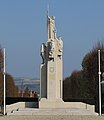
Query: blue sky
point(23, 29)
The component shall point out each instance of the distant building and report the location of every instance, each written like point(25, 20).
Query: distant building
point(31, 94)
point(32, 83)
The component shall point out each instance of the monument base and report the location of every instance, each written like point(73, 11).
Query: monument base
point(60, 104)
point(46, 103)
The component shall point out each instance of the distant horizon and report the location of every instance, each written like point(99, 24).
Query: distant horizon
point(26, 78)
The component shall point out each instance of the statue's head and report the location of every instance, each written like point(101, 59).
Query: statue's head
point(53, 17)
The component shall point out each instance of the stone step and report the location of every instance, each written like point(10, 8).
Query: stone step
point(29, 111)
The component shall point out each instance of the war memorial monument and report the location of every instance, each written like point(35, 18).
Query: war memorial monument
point(51, 68)
point(51, 83)
point(51, 73)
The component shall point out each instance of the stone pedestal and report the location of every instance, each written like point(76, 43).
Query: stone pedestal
point(46, 103)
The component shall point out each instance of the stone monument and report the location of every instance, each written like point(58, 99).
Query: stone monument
point(51, 86)
point(51, 81)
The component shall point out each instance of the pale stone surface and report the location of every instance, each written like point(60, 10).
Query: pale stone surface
point(14, 106)
point(18, 105)
point(59, 111)
point(50, 117)
point(51, 68)
point(20, 108)
point(60, 104)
